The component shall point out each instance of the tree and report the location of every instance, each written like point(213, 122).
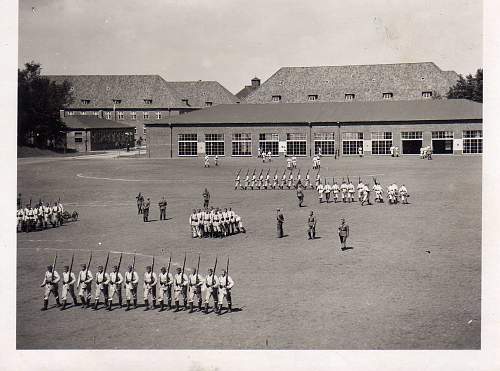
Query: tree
point(39, 102)
point(470, 87)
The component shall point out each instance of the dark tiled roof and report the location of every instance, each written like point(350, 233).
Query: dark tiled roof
point(406, 81)
point(345, 112)
point(243, 93)
point(92, 122)
point(199, 92)
point(132, 90)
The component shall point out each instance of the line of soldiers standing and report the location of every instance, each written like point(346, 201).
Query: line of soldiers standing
point(268, 181)
point(191, 287)
point(38, 217)
point(214, 222)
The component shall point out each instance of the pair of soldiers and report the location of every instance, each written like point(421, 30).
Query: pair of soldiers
point(393, 194)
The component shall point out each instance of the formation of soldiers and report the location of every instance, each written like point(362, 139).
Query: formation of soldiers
point(39, 216)
point(266, 157)
point(265, 180)
point(159, 290)
point(206, 161)
point(215, 223)
point(144, 206)
point(426, 152)
point(346, 192)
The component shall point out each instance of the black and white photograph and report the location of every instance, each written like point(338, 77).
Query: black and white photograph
point(249, 176)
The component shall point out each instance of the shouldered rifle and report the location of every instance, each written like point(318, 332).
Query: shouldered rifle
point(70, 268)
point(133, 270)
point(248, 170)
point(213, 274)
point(254, 172)
point(239, 171)
point(168, 269)
point(152, 270)
point(118, 270)
point(183, 266)
point(54, 267)
point(359, 179)
point(268, 170)
point(276, 172)
point(105, 267)
point(307, 172)
point(88, 267)
point(198, 271)
point(227, 272)
point(260, 172)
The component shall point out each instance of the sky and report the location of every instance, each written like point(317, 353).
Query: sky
point(232, 41)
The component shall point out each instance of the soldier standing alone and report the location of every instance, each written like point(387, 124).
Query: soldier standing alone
point(145, 210)
point(311, 224)
point(163, 208)
point(206, 198)
point(343, 233)
point(280, 220)
point(300, 195)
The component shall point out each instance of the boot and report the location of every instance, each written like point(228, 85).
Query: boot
point(176, 306)
point(191, 307)
point(128, 305)
point(185, 305)
point(96, 304)
point(153, 304)
point(45, 304)
point(64, 305)
point(206, 308)
point(230, 308)
point(58, 302)
point(135, 303)
point(110, 302)
point(219, 312)
point(162, 306)
point(75, 302)
point(169, 304)
point(88, 303)
point(199, 305)
point(146, 303)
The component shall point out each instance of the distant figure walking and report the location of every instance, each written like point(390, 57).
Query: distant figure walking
point(280, 220)
point(140, 203)
point(343, 234)
point(206, 198)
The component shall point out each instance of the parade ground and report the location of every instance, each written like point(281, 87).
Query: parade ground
point(411, 278)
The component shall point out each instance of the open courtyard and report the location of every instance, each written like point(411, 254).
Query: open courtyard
point(412, 279)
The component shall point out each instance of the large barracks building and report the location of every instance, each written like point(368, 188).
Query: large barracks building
point(299, 110)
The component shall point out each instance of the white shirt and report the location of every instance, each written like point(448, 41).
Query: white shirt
point(131, 277)
point(50, 278)
point(116, 279)
point(66, 278)
point(192, 279)
point(166, 278)
point(211, 281)
point(226, 282)
point(81, 277)
point(150, 278)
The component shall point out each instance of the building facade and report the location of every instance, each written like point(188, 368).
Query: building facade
point(448, 126)
point(354, 83)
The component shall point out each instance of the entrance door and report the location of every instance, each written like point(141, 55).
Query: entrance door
point(412, 147)
point(442, 146)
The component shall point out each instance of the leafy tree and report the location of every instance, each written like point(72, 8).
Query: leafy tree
point(39, 102)
point(470, 87)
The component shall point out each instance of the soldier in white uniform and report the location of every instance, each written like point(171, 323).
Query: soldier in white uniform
point(207, 223)
point(320, 192)
point(131, 282)
point(377, 188)
point(68, 286)
point(55, 217)
point(327, 190)
point(343, 191)
point(267, 181)
point(193, 222)
point(294, 162)
point(308, 180)
point(290, 180)
point(351, 190)
point(196, 281)
point(318, 180)
point(84, 285)
point(101, 286)
point(20, 220)
point(211, 289)
point(166, 280)
point(403, 192)
point(283, 181)
point(47, 215)
point(207, 161)
point(150, 281)
point(252, 184)
point(225, 285)
point(335, 189)
point(180, 288)
point(51, 285)
point(247, 179)
point(360, 188)
point(261, 180)
point(365, 194)
point(200, 216)
point(239, 224)
point(232, 221)
point(115, 287)
point(60, 211)
point(237, 182)
point(275, 180)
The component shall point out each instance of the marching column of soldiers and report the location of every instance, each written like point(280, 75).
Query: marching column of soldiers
point(269, 181)
point(193, 289)
point(40, 216)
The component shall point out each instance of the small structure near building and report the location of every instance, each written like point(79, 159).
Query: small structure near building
point(92, 133)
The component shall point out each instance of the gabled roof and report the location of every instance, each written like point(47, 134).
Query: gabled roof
point(92, 122)
point(199, 92)
point(345, 112)
point(132, 90)
point(406, 81)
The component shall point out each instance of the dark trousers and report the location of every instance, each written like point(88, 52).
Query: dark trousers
point(280, 230)
point(205, 203)
point(145, 214)
point(343, 241)
point(301, 201)
point(312, 232)
point(163, 214)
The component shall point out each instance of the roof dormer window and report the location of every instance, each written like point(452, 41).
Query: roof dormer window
point(208, 104)
point(312, 97)
point(387, 95)
point(349, 97)
point(117, 101)
point(276, 98)
point(85, 101)
point(185, 101)
point(148, 101)
point(427, 94)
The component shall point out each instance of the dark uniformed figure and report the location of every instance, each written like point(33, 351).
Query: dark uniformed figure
point(163, 208)
point(300, 195)
point(280, 220)
point(311, 225)
point(19, 201)
point(145, 210)
point(206, 198)
point(343, 233)
point(140, 203)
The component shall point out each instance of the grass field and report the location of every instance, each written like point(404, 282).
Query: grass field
point(386, 292)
